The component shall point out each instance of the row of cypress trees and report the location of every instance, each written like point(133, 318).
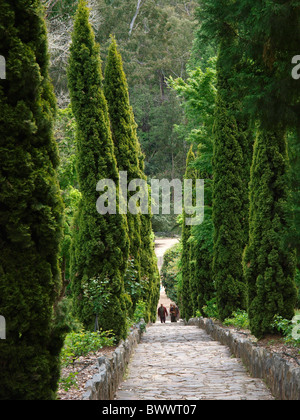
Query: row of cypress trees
point(253, 262)
point(107, 143)
point(31, 211)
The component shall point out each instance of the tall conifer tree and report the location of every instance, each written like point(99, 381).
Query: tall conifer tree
point(149, 268)
point(31, 208)
point(231, 158)
point(229, 189)
point(269, 259)
point(269, 263)
point(186, 292)
point(128, 155)
point(116, 93)
point(100, 248)
point(262, 85)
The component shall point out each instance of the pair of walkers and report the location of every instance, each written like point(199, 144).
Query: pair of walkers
point(163, 313)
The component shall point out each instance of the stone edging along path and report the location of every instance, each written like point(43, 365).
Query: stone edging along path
point(282, 378)
point(112, 369)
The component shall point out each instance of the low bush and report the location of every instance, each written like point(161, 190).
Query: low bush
point(239, 319)
point(289, 329)
point(210, 310)
point(81, 343)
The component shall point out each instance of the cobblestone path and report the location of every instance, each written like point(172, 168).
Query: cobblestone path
point(178, 362)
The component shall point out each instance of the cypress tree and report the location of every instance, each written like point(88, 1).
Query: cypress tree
point(149, 268)
point(229, 188)
point(116, 93)
point(31, 208)
point(260, 76)
point(202, 286)
point(231, 157)
point(100, 246)
point(269, 263)
point(186, 292)
point(128, 155)
point(270, 257)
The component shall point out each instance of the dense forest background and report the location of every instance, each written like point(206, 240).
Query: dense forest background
point(155, 40)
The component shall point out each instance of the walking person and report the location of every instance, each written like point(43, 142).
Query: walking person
point(173, 313)
point(177, 313)
point(162, 313)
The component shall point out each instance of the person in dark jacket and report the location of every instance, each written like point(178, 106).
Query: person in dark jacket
point(162, 313)
point(174, 312)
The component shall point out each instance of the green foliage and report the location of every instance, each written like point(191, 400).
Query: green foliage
point(198, 93)
point(125, 146)
point(64, 317)
point(186, 291)
point(65, 129)
point(169, 272)
point(157, 46)
point(65, 135)
point(294, 197)
point(69, 381)
point(202, 286)
point(71, 197)
point(133, 286)
point(269, 264)
point(288, 329)
point(81, 343)
point(100, 242)
point(239, 319)
point(256, 65)
point(227, 207)
point(297, 282)
point(130, 159)
point(210, 310)
point(96, 295)
point(31, 208)
point(140, 311)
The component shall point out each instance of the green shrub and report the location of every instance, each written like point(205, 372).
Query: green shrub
point(69, 381)
point(140, 311)
point(289, 329)
point(210, 310)
point(169, 272)
point(297, 281)
point(239, 320)
point(81, 343)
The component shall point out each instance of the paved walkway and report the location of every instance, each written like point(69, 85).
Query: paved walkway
point(179, 362)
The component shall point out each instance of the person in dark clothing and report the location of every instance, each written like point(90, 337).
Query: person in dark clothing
point(173, 313)
point(162, 313)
